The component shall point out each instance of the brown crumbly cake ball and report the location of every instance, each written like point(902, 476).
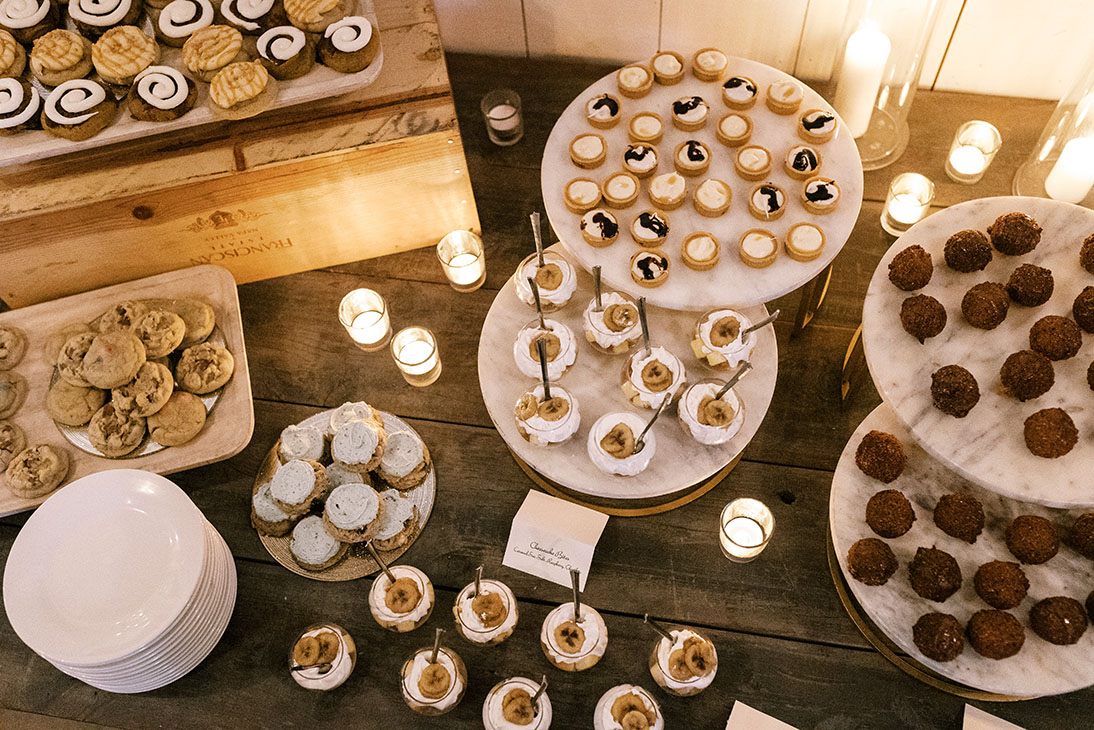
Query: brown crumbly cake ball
point(1032, 539)
point(1081, 535)
point(939, 636)
point(880, 455)
point(1027, 374)
point(1086, 254)
point(960, 516)
point(934, 574)
point(995, 634)
point(967, 251)
point(1055, 337)
point(985, 305)
point(911, 269)
point(1090, 375)
point(1030, 286)
point(1058, 620)
point(871, 561)
point(889, 513)
point(1014, 234)
point(1083, 309)
point(922, 316)
point(1090, 604)
point(1001, 584)
point(1050, 433)
point(954, 390)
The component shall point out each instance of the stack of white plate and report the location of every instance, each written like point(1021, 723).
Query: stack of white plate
point(119, 580)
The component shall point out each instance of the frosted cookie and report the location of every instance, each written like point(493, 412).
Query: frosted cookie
point(804, 242)
point(588, 150)
point(752, 162)
point(339, 475)
point(784, 96)
point(709, 64)
point(37, 471)
point(707, 420)
point(59, 56)
point(26, 20)
point(180, 19)
point(301, 442)
point(634, 81)
point(599, 227)
point(405, 463)
point(353, 513)
point(739, 92)
point(78, 110)
point(668, 191)
point(241, 90)
point(399, 519)
point(315, 16)
point(356, 411)
point(123, 52)
point(487, 617)
point(286, 52)
point(649, 268)
point(114, 432)
point(668, 68)
point(204, 368)
point(560, 345)
point(767, 202)
point(402, 605)
point(649, 228)
point(13, 346)
point(73, 405)
point(122, 316)
point(20, 106)
point(556, 280)
point(621, 190)
point(298, 485)
point(13, 57)
point(802, 162)
point(252, 16)
point(359, 445)
point(817, 126)
point(645, 127)
point(650, 376)
point(758, 248)
point(112, 360)
point(210, 49)
point(160, 332)
point(820, 195)
point(627, 706)
point(12, 441)
point(719, 339)
point(640, 160)
point(581, 194)
point(93, 18)
point(733, 130)
point(547, 421)
point(13, 391)
point(712, 198)
point(611, 445)
point(689, 113)
point(614, 328)
point(312, 547)
point(349, 45)
point(691, 158)
point(179, 420)
point(70, 358)
point(161, 94)
point(573, 644)
point(602, 111)
point(700, 251)
point(266, 516)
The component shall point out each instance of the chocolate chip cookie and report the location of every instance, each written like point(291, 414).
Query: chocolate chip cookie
point(180, 419)
point(13, 345)
point(198, 316)
point(37, 471)
point(12, 441)
point(122, 317)
point(113, 359)
point(70, 359)
point(115, 433)
point(13, 391)
point(73, 405)
point(57, 340)
point(204, 368)
point(160, 332)
point(147, 392)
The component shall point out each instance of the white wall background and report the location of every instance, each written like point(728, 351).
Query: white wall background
point(1010, 47)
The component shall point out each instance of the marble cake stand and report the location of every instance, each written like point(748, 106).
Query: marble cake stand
point(987, 446)
point(1040, 668)
point(681, 467)
point(731, 282)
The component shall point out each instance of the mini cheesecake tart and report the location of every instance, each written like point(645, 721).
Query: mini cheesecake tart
point(668, 68)
point(739, 92)
point(690, 113)
point(635, 80)
point(650, 268)
point(581, 194)
point(733, 130)
point(700, 251)
point(620, 189)
point(640, 160)
point(602, 111)
point(753, 162)
point(709, 64)
point(588, 150)
point(784, 96)
point(767, 202)
point(802, 162)
point(820, 195)
point(712, 197)
point(691, 158)
point(649, 228)
point(646, 127)
point(804, 242)
point(758, 248)
point(599, 227)
point(668, 191)
point(817, 125)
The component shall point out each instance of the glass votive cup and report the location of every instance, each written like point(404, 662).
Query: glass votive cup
point(364, 314)
point(744, 529)
point(501, 112)
point(463, 259)
point(972, 150)
point(330, 674)
point(416, 355)
point(909, 199)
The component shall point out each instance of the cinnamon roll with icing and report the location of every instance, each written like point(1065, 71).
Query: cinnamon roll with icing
point(20, 104)
point(78, 110)
point(160, 94)
point(286, 52)
point(27, 20)
point(95, 17)
point(180, 19)
point(253, 16)
point(349, 45)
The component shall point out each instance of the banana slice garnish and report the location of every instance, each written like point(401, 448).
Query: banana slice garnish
point(656, 376)
point(516, 707)
point(625, 704)
point(635, 720)
point(715, 413)
point(699, 655)
point(619, 442)
point(724, 331)
point(306, 652)
point(435, 681)
point(554, 346)
point(678, 666)
point(569, 637)
point(549, 277)
point(619, 317)
point(554, 409)
point(402, 595)
point(490, 609)
point(527, 406)
point(328, 646)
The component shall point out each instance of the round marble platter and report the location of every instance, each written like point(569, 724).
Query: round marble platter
point(594, 379)
point(987, 446)
point(730, 282)
point(358, 562)
point(1040, 668)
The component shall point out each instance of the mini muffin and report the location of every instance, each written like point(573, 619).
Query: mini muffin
point(1014, 234)
point(581, 194)
point(286, 52)
point(758, 248)
point(1030, 286)
point(934, 574)
point(204, 368)
point(802, 162)
point(635, 80)
point(691, 157)
point(668, 191)
point(733, 130)
point(123, 52)
point(1026, 374)
point(298, 486)
point(73, 405)
point(1081, 535)
point(689, 113)
point(147, 393)
point(922, 316)
point(314, 16)
point(960, 516)
point(668, 68)
point(767, 202)
point(161, 94)
point(12, 441)
point(588, 150)
point(252, 17)
point(650, 268)
point(312, 547)
point(739, 92)
point(967, 251)
point(1001, 584)
point(911, 269)
point(179, 421)
point(1032, 539)
point(37, 471)
point(640, 160)
point(1055, 337)
point(804, 242)
point(13, 57)
point(113, 359)
point(160, 332)
point(820, 195)
point(649, 228)
point(266, 516)
point(709, 64)
point(880, 455)
point(211, 49)
point(92, 18)
point(871, 561)
point(712, 198)
point(27, 20)
point(817, 126)
point(180, 19)
point(20, 106)
point(1050, 433)
point(784, 96)
point(599, 227)
point(1082, 309)
point(700, 251)
point(939, 636)
point(995, 634)
point(349, 45)
point(114, 432)
point(985, 305)
point(241, 90)
point(645, 127)
point(954, 390)
point(1058, 620)
point(60, 56)
point(889, 513)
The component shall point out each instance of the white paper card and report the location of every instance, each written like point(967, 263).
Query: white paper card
point(550, 535)
point(979, 720)
point(744, 717)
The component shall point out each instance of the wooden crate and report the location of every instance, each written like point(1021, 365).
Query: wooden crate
point(377, 171)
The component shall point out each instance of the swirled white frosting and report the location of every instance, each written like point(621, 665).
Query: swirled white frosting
point(646, 126)
point(529, 365)
point(493, 710)
point(599, 330)
point(543, 432)
point(70, 102)
point(602, 717)
point(349, 35)
point(557, 296)
point(665, 648)
point(281, 43)
point(297, 442)
point(397, 510)
point(376, 595)
point(292, 483)
point(355, 442)
point(670, 186)
point(667, 64)
point(15, 106)
point(634, 376)
point(343, 414)
point(627, 466)
point(181, 18)
point(410, 683)
point(596, 633)
point(403, 453)
point(587, 146)
point(244, 13)
point(99, 13)
point(312, 543)
point(475, 630)
point(703, 433)
point(736, 351)
point(23, 13)
point(352, 506)
point(165, 88)
point(265, 507)
point(733, 126)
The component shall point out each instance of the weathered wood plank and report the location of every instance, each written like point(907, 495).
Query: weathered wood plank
point(15, 720)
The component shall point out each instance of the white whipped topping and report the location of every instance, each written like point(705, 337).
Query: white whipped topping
point(805, 237)
point(711, 61)
point(281, 43)
point(646, 162)
point(293, 482)
point(493, 711)
point(741, 93)
point(821, 183)
point(558, 296)
point(671, 186)
point(646, 126)
point(583, 192)
point(341, 667)
point(753, 159)
point(594, 227)
point(631, 465)
point(633, 77)
point(596, 633)
point(634, 376)
point(602, 718)
point(620, 186)
point(700, 247)
point(759, 244)
point(349, 35)
point(355, 443)
point(352, 506)
point(99, 13)
point(696, 114)
point(421, 661)
point(602, 334)
point(712, 193)
point(397, 510)
point(264, 506)
point(542, 432)
point(689, 414)
point(665, 648)
point(302, 442)
point(403, 453)
point(667, 64)
point(339, 475)
point(736, 351)
point(376, 595)
point(529, 365)
point(602, 113)
point(733, 125)
point(164, 88)
point(312, 543)
point(786, 91)
point(23, 13)
point(68, 102)
point(15, 107)
point(588, 147)
point(760, 200)
point(181, 18)
point(474, 630)
point(343, 414)
point(243, 13)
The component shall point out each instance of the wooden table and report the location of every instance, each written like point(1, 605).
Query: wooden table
point(785, 644)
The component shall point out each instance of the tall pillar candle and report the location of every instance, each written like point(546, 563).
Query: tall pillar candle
point(1072, 176)
point(860, 76)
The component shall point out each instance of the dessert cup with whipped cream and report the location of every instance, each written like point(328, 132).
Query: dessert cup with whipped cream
point(684, 666)
point(627, 707)
point(402, 605)
point(650, 375)
point(613, 328)
point(487, 616)
point(433, 688)
point(322, 657)
point(570, 645)
point(509, 706)
point(719, 341)
point(707, 420)
point(612, 444)
point(545, 422)
point(561, 348)
point(556, 280)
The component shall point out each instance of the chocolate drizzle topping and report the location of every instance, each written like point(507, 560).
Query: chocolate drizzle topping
point(608, 227)
point(651, 266)
point(683, 106)
point(804, 160)
point(735, 82)
point(817, 191)
point(654, 223)
point(695, 150)
point(637, 152)
point(772, 194)
point(818, 121)
point(606, 101)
